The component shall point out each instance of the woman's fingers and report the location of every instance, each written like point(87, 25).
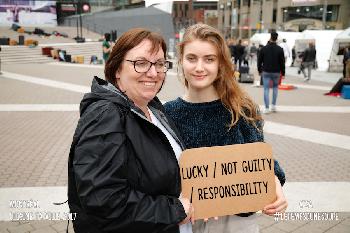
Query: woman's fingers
point(280, 205)
point(192, 214)
point(275, 207)
point(215, 218)
point(188, 209)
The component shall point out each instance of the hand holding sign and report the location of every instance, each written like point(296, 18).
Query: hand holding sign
point(189, 210)
point(226, 180)
point(280, 205)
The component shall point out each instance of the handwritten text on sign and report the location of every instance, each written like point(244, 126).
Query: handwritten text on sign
point(226, 180)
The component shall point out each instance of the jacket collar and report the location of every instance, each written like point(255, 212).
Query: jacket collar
point(154, 105)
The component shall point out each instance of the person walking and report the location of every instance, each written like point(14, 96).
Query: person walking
point(308, 61)
point(239, 52)
point(216, 111)
point(231, 46)
point(286, 49)
point(261, 81)
point(271, 64)
point(294, 55)
point(123, 173)
point(253, 51)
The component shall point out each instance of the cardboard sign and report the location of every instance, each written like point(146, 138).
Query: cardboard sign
point(227, 180)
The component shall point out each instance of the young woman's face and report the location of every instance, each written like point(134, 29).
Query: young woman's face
point(200, 64)
point(140, 87)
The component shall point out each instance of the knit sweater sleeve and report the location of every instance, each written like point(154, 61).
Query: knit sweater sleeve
point(255, 134)
point(192, 131)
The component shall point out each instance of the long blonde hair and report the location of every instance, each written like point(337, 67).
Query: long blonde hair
point(237, 101)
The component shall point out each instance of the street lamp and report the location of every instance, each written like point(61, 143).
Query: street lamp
point(260, 16)
point(222, 19)
point(324, 15)
point(80, 20)
point(85, 8)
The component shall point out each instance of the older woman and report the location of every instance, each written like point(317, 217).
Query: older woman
point(123, 173)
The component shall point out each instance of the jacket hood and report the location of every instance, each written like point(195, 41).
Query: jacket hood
point(103, 90)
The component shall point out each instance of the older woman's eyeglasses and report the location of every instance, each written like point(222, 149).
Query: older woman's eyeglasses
point(143, 66)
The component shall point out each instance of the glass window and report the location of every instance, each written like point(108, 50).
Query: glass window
point(311, 12)
point(274, 15)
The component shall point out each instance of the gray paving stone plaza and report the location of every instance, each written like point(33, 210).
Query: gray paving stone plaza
point(310, 136)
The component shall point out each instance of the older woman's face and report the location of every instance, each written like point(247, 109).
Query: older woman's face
point(140, 87)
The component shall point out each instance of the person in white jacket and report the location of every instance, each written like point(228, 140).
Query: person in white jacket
point(286, 49)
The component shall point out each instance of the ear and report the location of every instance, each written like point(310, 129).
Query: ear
point(117, 74)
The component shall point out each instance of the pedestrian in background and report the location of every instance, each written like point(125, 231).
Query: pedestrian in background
point(337, 88)
point(231, 46)
point(346, 58)
point(345, 80)
point(246, 54)
point(216, 111)
point(107, 47)
point(347, 72)
point(294, 55)
point(308, 61)
point(261, 83)
point(0, 61)
point(239, 52)
point(253, 55)
point(123, 173)
point(271, 65)
point(286, 49)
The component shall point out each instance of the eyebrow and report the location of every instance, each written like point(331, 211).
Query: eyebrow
point(209, 55)
point(143, 58)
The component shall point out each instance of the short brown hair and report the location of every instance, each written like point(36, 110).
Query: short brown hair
point(128, 41)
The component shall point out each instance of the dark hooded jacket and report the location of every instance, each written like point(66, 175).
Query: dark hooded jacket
point(123, 175)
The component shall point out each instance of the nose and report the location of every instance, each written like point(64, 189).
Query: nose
point(199, 65)
point(152, 71)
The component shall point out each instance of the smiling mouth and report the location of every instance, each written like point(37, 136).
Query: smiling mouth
point(199, 76)
point(149, 84)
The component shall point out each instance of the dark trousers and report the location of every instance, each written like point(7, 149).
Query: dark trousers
point(239, 60)
point(344, 69)
point(293, 60)
point(339, 85)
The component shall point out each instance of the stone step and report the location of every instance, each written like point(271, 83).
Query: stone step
point(24, 54)
point(26, 59)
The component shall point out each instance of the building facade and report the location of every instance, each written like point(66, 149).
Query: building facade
point(186, 13)
point(242, 18)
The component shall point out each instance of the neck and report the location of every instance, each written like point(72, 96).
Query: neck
point(199, 96)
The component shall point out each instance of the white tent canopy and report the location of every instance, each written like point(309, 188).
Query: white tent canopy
point(260, 38)
point(324, 42)
point(263, 38)
point(341, 41)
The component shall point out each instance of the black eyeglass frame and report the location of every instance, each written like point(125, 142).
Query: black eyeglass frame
point(169, 65)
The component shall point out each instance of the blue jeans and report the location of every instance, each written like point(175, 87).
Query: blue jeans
point(267, 77)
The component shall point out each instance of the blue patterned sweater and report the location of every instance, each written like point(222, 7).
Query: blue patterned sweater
point(206, 124)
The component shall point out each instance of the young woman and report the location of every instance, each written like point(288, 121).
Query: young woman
point(215, 111)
